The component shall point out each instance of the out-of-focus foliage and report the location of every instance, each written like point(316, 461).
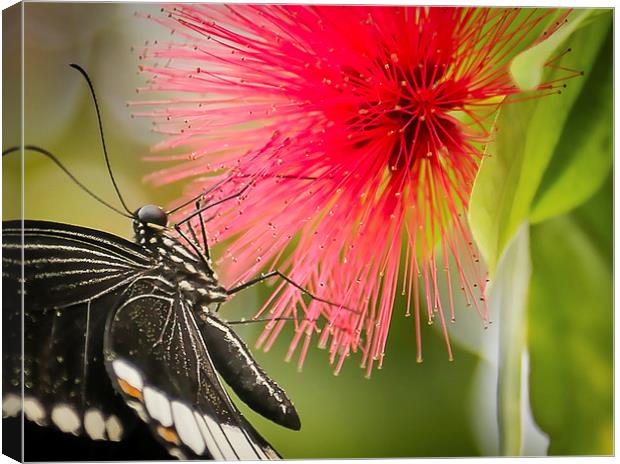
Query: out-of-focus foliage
point(508, 300)
point(550, 156)
point(571, 328)
point(581, 160)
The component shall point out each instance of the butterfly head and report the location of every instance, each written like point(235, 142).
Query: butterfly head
point(152, 216)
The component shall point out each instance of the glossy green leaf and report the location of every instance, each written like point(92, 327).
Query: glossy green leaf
point(571, 329)
point(528, 135)
point(583, 158)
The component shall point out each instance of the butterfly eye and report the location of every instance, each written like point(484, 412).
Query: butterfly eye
point(151, 214)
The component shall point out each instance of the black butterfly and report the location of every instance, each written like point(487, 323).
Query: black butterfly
point(103, 315)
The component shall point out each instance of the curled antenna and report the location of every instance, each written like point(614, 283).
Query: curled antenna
point(105, 151)
point(68, 173)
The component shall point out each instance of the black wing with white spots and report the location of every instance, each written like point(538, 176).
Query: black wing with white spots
point(157, 357)
point(86, 293)
point(72, 277)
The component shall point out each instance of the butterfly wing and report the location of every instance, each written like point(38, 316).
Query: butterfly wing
point(65, 265)
point(72, 277)
point(157, 359)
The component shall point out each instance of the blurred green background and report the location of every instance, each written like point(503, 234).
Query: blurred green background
point(437, 408)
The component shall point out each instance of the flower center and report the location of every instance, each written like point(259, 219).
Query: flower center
point(412, 109)
point(419, 115)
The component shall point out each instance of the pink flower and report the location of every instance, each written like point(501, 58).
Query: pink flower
point(361, 129)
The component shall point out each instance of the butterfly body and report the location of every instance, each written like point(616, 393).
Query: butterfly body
point(179, 267)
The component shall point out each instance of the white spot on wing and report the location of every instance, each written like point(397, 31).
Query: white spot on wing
point(177, 453)
point(11, 405)
point(158, 406)
point(129, 374)
point(114, 428)
point(137, 406)
point(94, 424)
point(241, 443)
point(219, 446)
point(66, 418)
point(187, 428)
point(34, 410)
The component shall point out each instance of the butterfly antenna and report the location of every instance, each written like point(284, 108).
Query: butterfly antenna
point(105, 151)
point(68, 173)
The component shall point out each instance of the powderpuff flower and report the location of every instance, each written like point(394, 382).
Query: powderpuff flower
point(357, 133)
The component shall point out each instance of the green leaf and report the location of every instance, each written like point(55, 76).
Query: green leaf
point(528, 134)
point(571, 329)
point(583, 158)
point(508, 298)
point(527, 68)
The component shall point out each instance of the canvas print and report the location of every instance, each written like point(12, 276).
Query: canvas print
point(259, 231)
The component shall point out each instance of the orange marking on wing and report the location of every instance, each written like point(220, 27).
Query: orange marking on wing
point(168, 434)
point(130, 389)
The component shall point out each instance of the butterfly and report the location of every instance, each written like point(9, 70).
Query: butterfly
point(115, 329)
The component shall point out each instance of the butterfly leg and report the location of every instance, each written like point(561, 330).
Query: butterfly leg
point(193, 234)
point(205, 256)
point(192, 244)
point(205, 253)
point(205, 243)
point(276, 273)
